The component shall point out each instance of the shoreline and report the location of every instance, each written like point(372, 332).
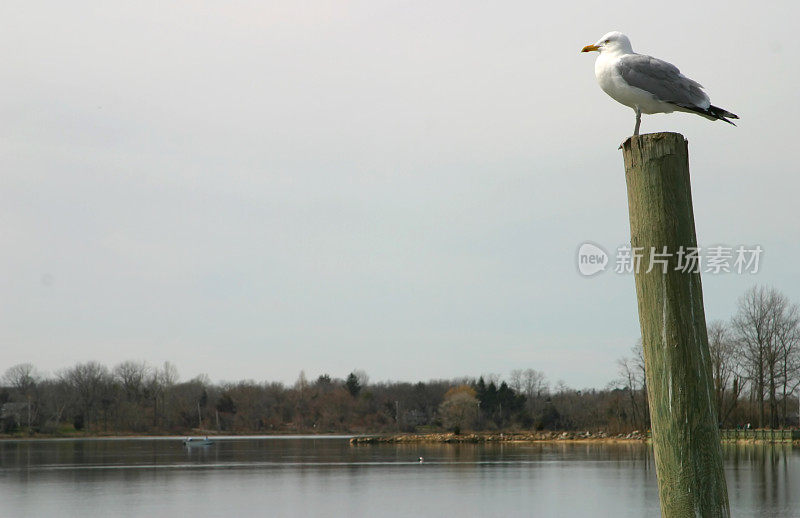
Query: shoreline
point(544, 437)
point(495, 437)
point(360, 438)
point(575, 437)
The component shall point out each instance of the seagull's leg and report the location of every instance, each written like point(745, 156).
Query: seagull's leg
point(638, 120)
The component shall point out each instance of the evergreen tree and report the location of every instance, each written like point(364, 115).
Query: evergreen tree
point(352, 385)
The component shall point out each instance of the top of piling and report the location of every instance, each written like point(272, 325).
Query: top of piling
point(652, 138)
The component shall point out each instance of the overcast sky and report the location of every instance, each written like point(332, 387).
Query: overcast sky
point(248, 189)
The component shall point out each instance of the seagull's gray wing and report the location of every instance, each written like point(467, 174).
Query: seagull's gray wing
point(663, 80)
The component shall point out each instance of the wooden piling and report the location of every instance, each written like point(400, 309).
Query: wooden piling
point(686, 438)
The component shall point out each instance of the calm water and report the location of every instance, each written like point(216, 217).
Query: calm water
point(301, 476)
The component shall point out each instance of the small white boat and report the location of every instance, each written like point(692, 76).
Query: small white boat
point(197, 441)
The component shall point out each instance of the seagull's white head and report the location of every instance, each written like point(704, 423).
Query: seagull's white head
point(614, 43)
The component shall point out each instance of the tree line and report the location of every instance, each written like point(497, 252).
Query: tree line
point(755, 359)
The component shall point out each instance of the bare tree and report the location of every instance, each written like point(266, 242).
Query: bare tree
point(301, 407)
point(24, 379)
point(634, 382)
point(766, 330)
point(754, 335)
point(787, 337)
point(726, 369)
point(132, 377)
point(515, 380)
point(159, 385)
point(54, 398)
point(168, 374)
point(534, 384)
point(91, 384)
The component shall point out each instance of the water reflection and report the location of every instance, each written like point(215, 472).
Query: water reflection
point(765, 478)
point(329, 477)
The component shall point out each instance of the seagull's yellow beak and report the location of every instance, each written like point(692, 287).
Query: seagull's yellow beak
point(589, 48)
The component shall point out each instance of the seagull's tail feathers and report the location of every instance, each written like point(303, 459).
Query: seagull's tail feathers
point(712, 113)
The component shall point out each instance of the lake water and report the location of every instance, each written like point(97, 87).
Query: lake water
point(326, 476)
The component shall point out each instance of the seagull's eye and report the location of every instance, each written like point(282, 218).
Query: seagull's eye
point(606, 41)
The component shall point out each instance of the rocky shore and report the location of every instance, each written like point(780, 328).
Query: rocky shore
point(498, 437)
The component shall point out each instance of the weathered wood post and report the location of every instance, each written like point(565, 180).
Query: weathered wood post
point(685, 435)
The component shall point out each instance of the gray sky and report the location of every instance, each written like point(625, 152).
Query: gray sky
point(248, 189)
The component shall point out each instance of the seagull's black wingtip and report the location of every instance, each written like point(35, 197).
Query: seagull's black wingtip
point(721, 114)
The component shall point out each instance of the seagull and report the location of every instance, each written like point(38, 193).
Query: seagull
point(646, 84)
